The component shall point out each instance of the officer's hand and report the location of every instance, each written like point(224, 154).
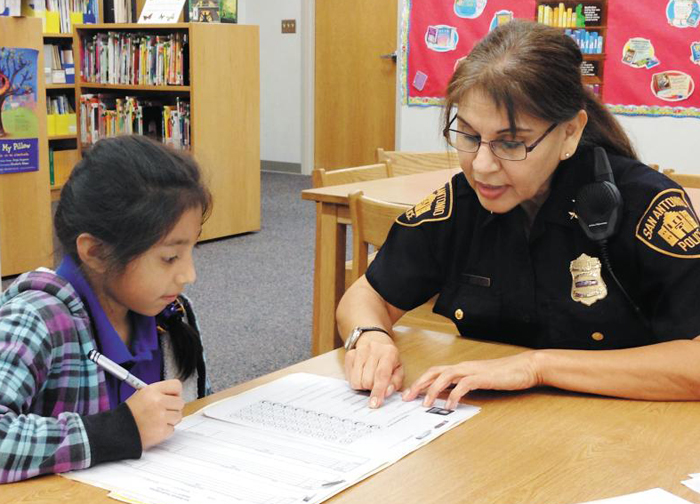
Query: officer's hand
point(374, 365)
point(516, 372)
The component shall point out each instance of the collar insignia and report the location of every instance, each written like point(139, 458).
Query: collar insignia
point(437, 206)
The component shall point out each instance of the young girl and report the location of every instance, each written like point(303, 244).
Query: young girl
point(128, 220)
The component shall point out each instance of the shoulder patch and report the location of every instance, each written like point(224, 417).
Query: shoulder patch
point(437, 206)
point(670, 226)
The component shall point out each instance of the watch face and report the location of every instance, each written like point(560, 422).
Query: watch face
point(350, 342)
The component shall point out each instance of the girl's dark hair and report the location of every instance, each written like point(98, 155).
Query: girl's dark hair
point(129, 192)
point(529, 68)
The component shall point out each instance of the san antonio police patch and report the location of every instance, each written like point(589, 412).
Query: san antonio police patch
point(436, 206)
point(670, 226)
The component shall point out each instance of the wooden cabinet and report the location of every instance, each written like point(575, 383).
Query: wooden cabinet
point(25, 207)
point(222, 87)
point(586, 22)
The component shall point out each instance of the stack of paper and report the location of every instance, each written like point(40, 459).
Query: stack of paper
point(694, 482)
point(653, 496)
point(297, 440)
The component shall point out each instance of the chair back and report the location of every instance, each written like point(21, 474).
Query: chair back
point(683, 179)
point(408, 163)
point(324, 178)
point(371, 221)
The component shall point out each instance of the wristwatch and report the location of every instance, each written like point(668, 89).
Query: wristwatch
point(357, 332)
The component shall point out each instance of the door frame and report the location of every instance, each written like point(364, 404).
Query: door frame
point(308, 67)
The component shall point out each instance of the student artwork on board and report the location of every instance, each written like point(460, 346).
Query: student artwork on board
point(437, 33)
point(469, 9)
point(441, 38)
point(500, 18)
point(695, 52)
point(19, 125)
point(650, 70)
point(638, 52)
point(683, 13)
point(672, 85)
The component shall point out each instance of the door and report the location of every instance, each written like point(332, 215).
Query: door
point(355, 83)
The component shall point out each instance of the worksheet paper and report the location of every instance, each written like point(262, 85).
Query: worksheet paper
point(693, 483)
point(653, 496)
point(299, 439)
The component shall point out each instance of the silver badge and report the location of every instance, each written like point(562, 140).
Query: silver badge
point(587, 285)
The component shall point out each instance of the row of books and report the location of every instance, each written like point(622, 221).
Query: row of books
point(58, 105)
point(104, 116)
point(134, 58)
point(569, 17)
point(123, 11)
point(59, 67)
point(589, 42)
point(59, 16)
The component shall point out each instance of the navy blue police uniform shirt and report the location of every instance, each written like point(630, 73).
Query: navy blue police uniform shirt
point(547, 288)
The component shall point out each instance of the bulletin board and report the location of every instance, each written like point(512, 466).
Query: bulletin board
point(437, 33)
point(653, 58)
point(652, 50)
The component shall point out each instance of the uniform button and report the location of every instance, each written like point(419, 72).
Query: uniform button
point(598, 336)
point(459, 314)
point(526, 319)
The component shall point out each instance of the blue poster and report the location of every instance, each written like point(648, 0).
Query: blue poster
point(19, 124)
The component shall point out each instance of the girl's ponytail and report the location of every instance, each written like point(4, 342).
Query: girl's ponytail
point(185, 340)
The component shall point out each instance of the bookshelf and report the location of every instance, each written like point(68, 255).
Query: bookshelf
point(593, 15)
point(222, 87)
point(63, 142)
point(25, 210)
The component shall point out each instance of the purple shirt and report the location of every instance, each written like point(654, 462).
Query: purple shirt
point(143, 359)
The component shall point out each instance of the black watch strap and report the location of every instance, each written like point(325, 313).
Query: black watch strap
point(351, 342)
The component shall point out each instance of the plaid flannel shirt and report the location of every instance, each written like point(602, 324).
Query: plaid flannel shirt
point(54, 406)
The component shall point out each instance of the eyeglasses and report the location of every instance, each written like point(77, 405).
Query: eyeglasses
point(509, 150)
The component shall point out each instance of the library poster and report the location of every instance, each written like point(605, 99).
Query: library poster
point(437, 33)
point(653, 58)
point(19, 124)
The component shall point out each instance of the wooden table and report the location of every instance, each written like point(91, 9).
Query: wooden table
point(331, 214)
point(534, 447)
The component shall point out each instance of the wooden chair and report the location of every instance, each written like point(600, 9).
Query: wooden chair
point(324, 178)
point(408, 163)
point(371, 222)
point(683, 179)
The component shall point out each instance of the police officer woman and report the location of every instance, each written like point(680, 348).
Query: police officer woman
point(504, 246)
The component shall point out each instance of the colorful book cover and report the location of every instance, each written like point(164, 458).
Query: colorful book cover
point(213, 11)
point(19, 123)
point(229, 11)
point(205, 11)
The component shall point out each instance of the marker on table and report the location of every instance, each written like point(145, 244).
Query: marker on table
point(115, 369)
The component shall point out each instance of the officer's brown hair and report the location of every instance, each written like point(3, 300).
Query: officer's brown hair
point(534, 69)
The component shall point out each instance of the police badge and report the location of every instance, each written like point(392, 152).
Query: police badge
point(587, 285)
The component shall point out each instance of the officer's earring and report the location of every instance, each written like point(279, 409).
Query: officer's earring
point(567, 154)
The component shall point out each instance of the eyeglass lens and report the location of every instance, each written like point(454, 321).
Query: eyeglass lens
point(504, 149)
